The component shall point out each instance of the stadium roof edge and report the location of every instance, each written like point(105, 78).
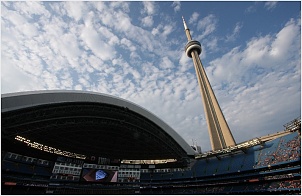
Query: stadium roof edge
point(26, 99)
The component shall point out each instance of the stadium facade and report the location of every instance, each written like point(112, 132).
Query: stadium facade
point(75, 142)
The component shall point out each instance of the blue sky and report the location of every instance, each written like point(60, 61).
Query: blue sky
point(135, 50)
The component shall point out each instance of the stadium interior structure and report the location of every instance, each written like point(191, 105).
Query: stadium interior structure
point(74, 142)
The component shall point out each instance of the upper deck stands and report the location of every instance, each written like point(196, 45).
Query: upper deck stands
point(281, 150)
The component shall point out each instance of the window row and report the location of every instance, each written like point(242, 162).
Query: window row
point(94, 166)
point(56, 171)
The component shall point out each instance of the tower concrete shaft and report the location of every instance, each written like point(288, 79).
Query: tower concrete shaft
point(219, 131)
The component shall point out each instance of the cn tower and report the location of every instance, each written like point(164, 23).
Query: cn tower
point(219, 131)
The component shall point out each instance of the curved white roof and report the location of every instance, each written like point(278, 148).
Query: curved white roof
point(20, 100)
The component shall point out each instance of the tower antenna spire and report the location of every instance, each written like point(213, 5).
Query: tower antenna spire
point(187, 30)
point(185, 25)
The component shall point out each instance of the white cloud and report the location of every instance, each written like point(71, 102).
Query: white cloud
point(148, 7)
point(15, 80)
point(79, 87)
point(166, 63)
point(75, 9)
point(266, 52)
point(184, 62)
point(129, 45)
point(270, 5)
point(29, 8)
point(95, 62)
point(212, 44)
point(123, 22)
point(194, 17)
point(176, 5)
point(83, 81)
point(147, 21)
point(29, 30)
point(148, 10)
point(58, 8)
point(54, 27)
point(251, 9)
point(155, 31)
point(69, 48)
point(51, 81)
point(120, 4)
point(162, 30)
point(167, 30)
point(106, 33)
point(207, 25)
point(14, 17)
point(92, 40)
point(286, 41)
point(235, 33)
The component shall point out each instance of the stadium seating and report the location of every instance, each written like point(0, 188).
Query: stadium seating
point(251, 171)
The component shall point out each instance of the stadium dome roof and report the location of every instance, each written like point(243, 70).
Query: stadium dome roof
point(90, 123)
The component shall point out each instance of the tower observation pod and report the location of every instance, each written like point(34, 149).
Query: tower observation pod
point(219, 131)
